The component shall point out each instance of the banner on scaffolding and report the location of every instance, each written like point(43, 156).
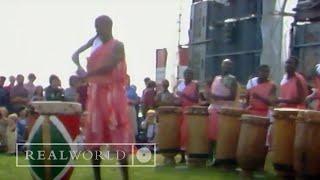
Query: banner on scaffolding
point(161, 62)
point(183, 53)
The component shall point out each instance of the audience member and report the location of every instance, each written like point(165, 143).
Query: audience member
point(3, 128)
point(148, 98)
point(12, 80)
point(18, 95)
point(54, 92)
point(4, 94)
point(71, 94)
point(11, 134)
point(21, 127)
point(30, 85)
point(38, 94)
point(164, 96)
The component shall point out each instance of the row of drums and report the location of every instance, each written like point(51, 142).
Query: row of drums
point(241, 139)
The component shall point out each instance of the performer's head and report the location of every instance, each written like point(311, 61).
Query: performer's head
point(151, 84)
point(291, 65)
point(188, 75)
point(146, 81)
point(226, 66)
point(103, 26)
point(165, 84)
point(263, 72)
point(20, 79)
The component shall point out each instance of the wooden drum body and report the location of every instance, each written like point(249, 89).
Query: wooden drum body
point(168, 136)
point(307, 145)
point(198, 142)
point(56, 122)
point(283, 132)
point(252, 150)
point(228, 135)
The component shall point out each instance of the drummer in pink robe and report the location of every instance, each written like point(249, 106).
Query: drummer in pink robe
point(315, 95)
point(188, 93)
point(261, 92)
point(107, 103)
point(223, 93)
point(293, 89)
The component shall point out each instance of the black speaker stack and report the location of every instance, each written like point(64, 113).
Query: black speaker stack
point(225, 29)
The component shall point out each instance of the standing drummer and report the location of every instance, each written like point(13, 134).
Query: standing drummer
point(188, 96)
point(107, 102)
point(293, 86)
point(315, 83)
point(223, 93)
point(261, 92)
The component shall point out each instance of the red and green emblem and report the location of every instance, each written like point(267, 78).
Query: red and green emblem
point(49, 152)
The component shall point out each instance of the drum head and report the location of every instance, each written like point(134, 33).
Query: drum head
point(200, 110)
point(232, 111)
point(255, 119)
point(56, 107)
point(286, 112)
point(168, 109)
point(309, 116)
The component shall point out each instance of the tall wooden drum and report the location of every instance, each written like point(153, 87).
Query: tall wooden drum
point(56, 122)
point(228, 135)
point(252, 151)
point(198, 142)
point(168, 136)
point(283, 132)
point(307, 145)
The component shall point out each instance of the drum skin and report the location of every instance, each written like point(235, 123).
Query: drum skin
point(283, 140)
point(198, 142)
point(307, 144)
point(252, 151)
point(228, 135)
point(168, 130)
point(56, 107)
point(55, 127)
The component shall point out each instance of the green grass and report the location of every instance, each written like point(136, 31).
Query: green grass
point(9, 171)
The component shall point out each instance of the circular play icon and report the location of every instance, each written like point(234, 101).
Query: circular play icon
point(144, 155)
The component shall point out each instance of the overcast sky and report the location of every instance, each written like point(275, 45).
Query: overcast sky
point(40, 35)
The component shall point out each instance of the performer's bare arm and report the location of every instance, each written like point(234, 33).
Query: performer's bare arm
point(75, 56)
point(109, 64)
point(313, 96)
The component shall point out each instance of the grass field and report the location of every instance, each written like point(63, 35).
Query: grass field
point(9, 171)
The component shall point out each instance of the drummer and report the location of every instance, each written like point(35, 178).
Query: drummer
point(316, 88)
point(223, 93)
point(188, 96)
point(293, 89)
point(106, 95)
point(261, 92)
